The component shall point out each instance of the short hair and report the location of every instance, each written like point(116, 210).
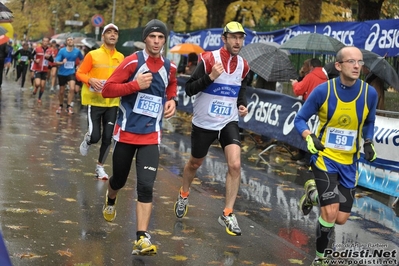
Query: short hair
point(314, 62)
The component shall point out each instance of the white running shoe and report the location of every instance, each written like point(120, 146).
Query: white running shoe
point(84, 146)
point(101, 174)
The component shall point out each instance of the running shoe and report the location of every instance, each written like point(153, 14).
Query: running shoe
point(109, 211)
point(70, 110)
point(143, 246)
point(39, 101)
point(231, 224)
point(59, 110)
point(319, 262)
point(100, 172)
point(84, 146)
point(305, 203)
point(181, 206)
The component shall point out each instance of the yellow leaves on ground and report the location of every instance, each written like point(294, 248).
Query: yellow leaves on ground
point(64, 253)
point(43, 211)
point(217, 197)
point(44, 193)
point(242, 213)
point(380, 231)
point(265, 209)
point(162, 232)
point(296, 261)
point(68, 222)
point(178, 258)
point(38, 210)
point(17, 210)
point(70, 200)
point(285, 187)
point(17, 227)
point(29, 256)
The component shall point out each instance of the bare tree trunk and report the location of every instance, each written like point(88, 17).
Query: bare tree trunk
point(216, 12)
point(174, 4)
point(309, 11)
point(190, 4)
point(369, 9)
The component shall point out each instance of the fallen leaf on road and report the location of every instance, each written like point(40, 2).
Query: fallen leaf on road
point(296, 261)
point(45, 193)
point(178, 258)
point(64, 253)
point(17, 227)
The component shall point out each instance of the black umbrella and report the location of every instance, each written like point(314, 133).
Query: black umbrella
point(2, 30)
point(332, 72)
point(90, 42)
point(269, 62)
point(381, 68)
point(313, 42)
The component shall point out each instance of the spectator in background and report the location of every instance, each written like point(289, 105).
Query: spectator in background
point(304, 69)
point(3, 54)
point(314, 77)
point(378, 85)
point(8, 59)
point(191, 63)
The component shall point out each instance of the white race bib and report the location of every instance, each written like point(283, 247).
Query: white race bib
point(340, 139)
point(147, 104)
point(69, 65)
point(219, 108)
point(24, 58)
point(93, 90)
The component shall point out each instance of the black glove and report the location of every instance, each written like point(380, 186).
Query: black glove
point(314, 144)
point(369, 151)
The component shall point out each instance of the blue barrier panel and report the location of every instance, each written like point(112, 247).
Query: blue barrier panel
point(4, 257)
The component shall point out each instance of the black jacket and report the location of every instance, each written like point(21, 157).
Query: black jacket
point(3, 51)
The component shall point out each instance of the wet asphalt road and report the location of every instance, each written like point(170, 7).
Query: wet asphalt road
point(51, 202)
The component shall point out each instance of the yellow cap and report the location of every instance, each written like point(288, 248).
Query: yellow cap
point(233, 27)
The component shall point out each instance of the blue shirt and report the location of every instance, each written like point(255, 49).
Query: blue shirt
point(69, 67)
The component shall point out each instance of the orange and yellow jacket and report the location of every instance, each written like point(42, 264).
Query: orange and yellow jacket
point(100, 64)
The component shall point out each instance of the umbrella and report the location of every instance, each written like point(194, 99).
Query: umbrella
point(90, 42)
point(132, 43)
point(186, 48)
point(277, 45)
point(332, 72)
point(269, 62)
point(313, 42)
point(4, 39)
point(2, 30)
point(381, 68)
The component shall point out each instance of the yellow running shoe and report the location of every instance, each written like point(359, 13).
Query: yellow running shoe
point(109, 211)
point(143, 246)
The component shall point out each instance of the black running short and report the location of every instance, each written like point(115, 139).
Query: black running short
point(202, 139)
point(63, 80)
point(331, 191)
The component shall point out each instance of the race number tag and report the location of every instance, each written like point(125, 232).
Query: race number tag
point(219, 108)
point(24, 58)
point(148, 105)
point(69, 64)
point(45, 62)
point(340, 139)
point(98, 91)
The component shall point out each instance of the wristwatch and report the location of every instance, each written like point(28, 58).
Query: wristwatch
point(176, 99)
